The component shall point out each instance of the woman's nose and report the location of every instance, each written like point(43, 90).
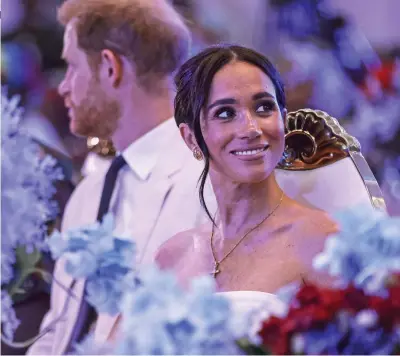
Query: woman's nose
point(250, 128)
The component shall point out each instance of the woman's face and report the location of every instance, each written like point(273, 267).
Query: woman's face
point(242, 125)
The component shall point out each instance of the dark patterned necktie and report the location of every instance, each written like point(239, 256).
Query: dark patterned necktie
point(88, 313)
point(109, 185)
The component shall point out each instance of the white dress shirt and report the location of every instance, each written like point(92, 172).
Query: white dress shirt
point(155, 197)
point(141, 157)
point(127, 201)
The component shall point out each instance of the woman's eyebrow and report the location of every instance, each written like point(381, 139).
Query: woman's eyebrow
point(222, 102)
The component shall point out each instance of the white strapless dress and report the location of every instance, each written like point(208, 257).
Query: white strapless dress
point(250, 308)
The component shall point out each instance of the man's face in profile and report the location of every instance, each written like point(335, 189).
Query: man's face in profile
point(91, 112)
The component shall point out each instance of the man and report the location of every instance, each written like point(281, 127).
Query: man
point(118, 85)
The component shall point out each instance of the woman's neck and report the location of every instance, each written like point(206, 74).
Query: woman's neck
point(243, 206)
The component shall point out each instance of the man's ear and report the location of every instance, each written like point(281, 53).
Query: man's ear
point(188, 136)
point(111, 66)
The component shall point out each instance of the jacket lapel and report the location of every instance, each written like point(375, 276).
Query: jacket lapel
point(71, 317)
point(158, 187)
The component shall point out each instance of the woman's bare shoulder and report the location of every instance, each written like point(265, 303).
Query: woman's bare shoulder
point(310, 230)
point(175, 248)
point(316, 223)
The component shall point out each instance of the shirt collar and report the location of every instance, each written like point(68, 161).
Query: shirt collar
point(142, 155)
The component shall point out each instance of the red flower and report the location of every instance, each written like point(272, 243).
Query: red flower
point(305, 318)
point(394, 296)
point(354, 299)
point(388, 309)
point(314, 308)
point(308, 294)
point(332, 298)
point(273, 337)
point(311, 308)
point(320, 303)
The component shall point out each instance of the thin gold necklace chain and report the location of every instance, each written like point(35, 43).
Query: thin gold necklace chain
point(216, 262)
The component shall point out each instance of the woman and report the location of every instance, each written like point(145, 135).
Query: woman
point(230, 109)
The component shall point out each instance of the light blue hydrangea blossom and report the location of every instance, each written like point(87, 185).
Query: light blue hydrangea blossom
point(161, 318)
point(27, 183)
point(88, 346)
point(26, 193)
point(9, 320)
point(365, 250)
point(94, 253)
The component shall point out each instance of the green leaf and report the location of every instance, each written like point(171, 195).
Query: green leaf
point(24, 266)
point(26, 261)
point(251, 349)
point(18, 291)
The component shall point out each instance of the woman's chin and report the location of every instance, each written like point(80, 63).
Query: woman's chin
point(252, 177)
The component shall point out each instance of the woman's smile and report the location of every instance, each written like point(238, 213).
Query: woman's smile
point(251, 153)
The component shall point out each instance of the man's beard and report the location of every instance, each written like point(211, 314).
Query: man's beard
point(96, 116)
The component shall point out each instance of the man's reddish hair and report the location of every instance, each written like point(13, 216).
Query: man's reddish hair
point(150, 33)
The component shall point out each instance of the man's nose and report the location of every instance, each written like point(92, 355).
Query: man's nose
point(63, 88)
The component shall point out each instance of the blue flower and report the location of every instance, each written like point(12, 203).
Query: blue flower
point(159, 317)
point(123, 254)
point(27, 190)
point(57, 244)
point(365, 248)
point(89, 347)
point(347, 335)
point(9, 320)
point(27, 182)
point(323, 341)
point(105, 261)
point(368, 340)
point(80, 264)
point(103, 294)
point(7, 263)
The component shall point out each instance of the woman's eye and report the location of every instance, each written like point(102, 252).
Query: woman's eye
point(265, 107)
point(225, 113)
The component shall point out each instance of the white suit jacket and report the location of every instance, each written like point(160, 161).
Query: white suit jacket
point(166, 203)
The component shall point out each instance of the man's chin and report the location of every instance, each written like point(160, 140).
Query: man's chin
point(80, 131)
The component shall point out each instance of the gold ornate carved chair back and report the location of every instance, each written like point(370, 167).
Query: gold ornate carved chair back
point(322, 165)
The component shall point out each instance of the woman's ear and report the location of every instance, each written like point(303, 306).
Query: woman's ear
point(111, 66)
point(188, 136)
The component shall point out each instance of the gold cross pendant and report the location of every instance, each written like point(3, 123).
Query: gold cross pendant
point(216, 270)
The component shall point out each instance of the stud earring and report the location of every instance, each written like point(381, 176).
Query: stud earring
point(197, 154)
